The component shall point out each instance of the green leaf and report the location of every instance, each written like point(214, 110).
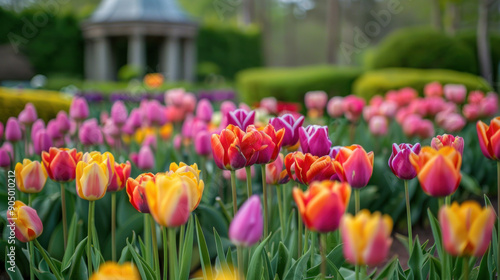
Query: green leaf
point(126, 255)
point(282, 260)
point(72, 236)
point(299, 268)
point(388, 270)
point(187, 251)
point(255, 267)
point(415, 263)
point(139, 263)
point(268, 267)
point(203, 250)
point(335, 257)
point(220, 251)
point(75, 262)
point(436, 233)
point(470, 184)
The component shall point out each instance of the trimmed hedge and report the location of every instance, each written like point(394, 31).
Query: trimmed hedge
point(423, 48)
point(291, 84)
point(380, 81)
point(47, 103)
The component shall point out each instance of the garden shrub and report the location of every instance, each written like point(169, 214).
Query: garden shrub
point(291, 84)
point(47, 103)
point(425, 48)
point(380, 81)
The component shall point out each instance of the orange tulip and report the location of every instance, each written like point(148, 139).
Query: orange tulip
point(323, 205)
point(136, 191)
point(489, 138)
point(438, 171)
point(60, 163)
point(306, 168)
point(354, 165)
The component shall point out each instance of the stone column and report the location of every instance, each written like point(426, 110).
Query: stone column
point(103, 59)
point(137, 52)
point(173, 53)
point(189, 59)
point(90, 62)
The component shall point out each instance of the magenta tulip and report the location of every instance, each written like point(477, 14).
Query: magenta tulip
point(145, 159)
point(241, 118)
point(455, 93)
point(246, 227)
point(5, 157)
point(441, 141)
point(13, 131)
point(119, 113)
point(79, 109)
point(28, 115)
point(291, 126)
point(202, 143)
point(314, 140)
point(204, 110)
point(90, 133)
point(1, 131)
point(64, 122)
point(399, 162)
point(42, 141)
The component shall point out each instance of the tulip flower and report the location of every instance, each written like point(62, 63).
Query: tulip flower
point(169, 199)
point(270, 104)
point(64, 122)
point(112, 270)
point(246, 227)
point(27, 222)
point(28, 115)
point(79, 109)
point(119, 177)
point(276, 174)
point(5, 157)
point(378, 125)
point(433, 89)
point(202, 143)
point(315, 103)
point(204, 110)
point(90, 133)
point(272, 139)
point(455, 93)
point(191, 173)
point(354, 165)
point(119, 113)
point(291, 126)
point(306, 168)
point(94, 174)
point(314, 140)
point(489, 138)
point(441, 141)
point(399, 162)
point(13, 130)
point(353, 107)
point(42, 141)
point(152, 113)
point(54, 130)
point(30, 176)
point(466, 228)
point(438, 171)
point(366, 237)
point(1, 130)
point(334, 108)
point(323, 204)
point(489, 105)
point(135, 118)
point(60, 163)
point(241, 118)
point(136, 191)
point(145, 159)
point(450, 122)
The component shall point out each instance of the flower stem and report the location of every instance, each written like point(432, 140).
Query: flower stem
point(448, 199)
point(204, 169)
point(29, 200)
point(238, 271)
point(356, 269)
point(356, 201)
point(408, 217)
point(113, 226)
point(323, 255)
point(155, 246)
point(63, 208)
point(147, 239)
point(165, 252)
point(306, 240)
point(299, 236)
point(173, 253)
point(280, 209)
point(233, 188)
point(465, 267)
point(32, 261)
point(264, 190)
point(249, 181)
point(498, 215)
point(89, 234)
point(48, 260)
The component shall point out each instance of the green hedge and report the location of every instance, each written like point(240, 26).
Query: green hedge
point(291, 84)
point(47, 103)
point(423, 48)
point(225, 50)
point(380, 81)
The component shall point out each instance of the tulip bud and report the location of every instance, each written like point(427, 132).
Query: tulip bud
point(64, 122)
point(291, 126)
point(241, 118)
point(13, 131)
point(270, 104)
point(27, 222)
point(145, 159)
point(28, 115)
point(441, 141)
point(455, 93)
point(246, 228)
point(135, 118)
point(378, 125)
point(271, 140)
point(136, 191)
point(433, 89)
point(189, 102)
point(37, 125)
point(335, 107)
point(5, 157)
point(314, 140)
point(42, 141)
point(399, 162)
point(204, 110)
point(202, 143)
point(30, 176)
point(354, 165)
point(353, 107)
point(119, 177)
point(90, 133)
point(119, 113)
point(53, 130)
point(79, 109)
point(93, 175)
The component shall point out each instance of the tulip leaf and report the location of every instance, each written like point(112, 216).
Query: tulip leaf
point(268, 267)
point(436, 233)
point(388, 270)
point(299, 268)
point(483, 272)
point(335, 257)
point(220, 251)
point(255, 267)
point(416, 261)
point(281, 260)
point(229, 257)
point(70, 248)
point(470, 184)
point(126, 255)
point(140, 263)
point(75, 262)
point(203, 250)
point(187, 251)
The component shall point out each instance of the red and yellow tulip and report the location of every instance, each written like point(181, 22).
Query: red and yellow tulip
point(466, 228)
point(136, 191)
point(31, 176)
point(306, 168)
point(489, 138)
point(93, 175)
point(191, 172)
point(366, 237)
point(323, 204)
point(60, 163)
point(438, 170)
point(28, 224)
point(354, 165)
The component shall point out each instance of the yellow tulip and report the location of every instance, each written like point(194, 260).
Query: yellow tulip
point(93, 175)
point(31, 176)
point(192, 173)
point(115, 271)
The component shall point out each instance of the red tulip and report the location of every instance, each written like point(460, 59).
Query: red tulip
point(60, 163)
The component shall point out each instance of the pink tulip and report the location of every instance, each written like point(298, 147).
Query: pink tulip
point(291, 126)
point(42, 141)
point(79, 109)
point(425, 129)
point(434, 89)
point(270, 104)
point(471, 111)
point(145, 159)
point(354, 165)
point(403, 96)
point(455, 93)
point(178, 142)
point(378, 125)
point(151, 141)
point(5, 157)
point(204, 110)
point(135, 118)
point(1, 130)
point(450, 122)
point(64, 122)
point(119, 113)
point(90, 133)
point(202, 143)
point(152, 112)
point(175, 97)
point(441, 141)
point(13, 131)
point(37, 125)
point(335, 108)
point(226, 107)
point(28, 115)
point(189, 102)
point(314, 140)
point(353, 107)
point(369, 112)
point(376, 101)
point(246, 227)
point(241, 174)
point(111, 129)
point(489, 105)
point(316, 100)
point(388, 109)
point(399, 162)
point(475, 97)
point(276, 173)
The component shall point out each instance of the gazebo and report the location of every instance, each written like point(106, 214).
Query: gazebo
point(154, 30)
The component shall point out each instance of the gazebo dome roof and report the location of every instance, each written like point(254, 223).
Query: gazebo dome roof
point(140, 10)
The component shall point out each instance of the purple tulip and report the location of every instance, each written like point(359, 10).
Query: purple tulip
point(241, 118)
point(37, 125)
point(135, 118)
point(246, 227)
point(5, 157)
point(90, 133)
point(155, 113)
point(64, 122)
point(53, 130)
point(314, 140)
point(119, 113)
point(226, 107)
point(204, 110)
point(291, 127)
point(202, 143)
point(79, 109)
point(28, 115)
point(42, 141)
point(399, 162)
point(13, 130)
point(144, 159)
